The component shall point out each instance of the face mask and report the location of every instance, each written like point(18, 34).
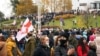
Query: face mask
point(13, 38)
point(62, 42)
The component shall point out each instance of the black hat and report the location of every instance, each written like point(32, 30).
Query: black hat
point(63, 34)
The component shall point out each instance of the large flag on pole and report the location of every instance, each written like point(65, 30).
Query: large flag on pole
point(26, 28)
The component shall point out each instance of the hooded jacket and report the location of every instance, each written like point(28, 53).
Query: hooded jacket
point(11, 45)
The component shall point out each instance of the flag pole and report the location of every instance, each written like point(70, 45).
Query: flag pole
point(39, 17)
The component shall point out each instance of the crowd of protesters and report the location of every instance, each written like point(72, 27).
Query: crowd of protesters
point(51, 42)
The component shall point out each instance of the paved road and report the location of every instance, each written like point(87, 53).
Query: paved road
point(98, 44)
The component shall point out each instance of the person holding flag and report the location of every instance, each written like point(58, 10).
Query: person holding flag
point(26, 31)
point(30, 45)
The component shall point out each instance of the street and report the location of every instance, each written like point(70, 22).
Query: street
point(98, 44)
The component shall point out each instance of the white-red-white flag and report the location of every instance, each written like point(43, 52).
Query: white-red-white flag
point(26, 28)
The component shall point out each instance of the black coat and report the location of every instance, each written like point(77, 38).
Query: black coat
point(92, 52)
point(60, 51)
point(51, 40)
point(42, 51)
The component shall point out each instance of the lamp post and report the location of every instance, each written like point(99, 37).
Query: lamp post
point(39, 15)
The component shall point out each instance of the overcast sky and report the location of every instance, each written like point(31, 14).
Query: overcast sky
point(6, 8)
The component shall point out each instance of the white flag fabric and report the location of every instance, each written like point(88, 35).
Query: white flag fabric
point(21, 23)
point(14, 22)
point(26, 28)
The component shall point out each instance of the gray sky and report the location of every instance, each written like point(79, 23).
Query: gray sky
point(5, 6)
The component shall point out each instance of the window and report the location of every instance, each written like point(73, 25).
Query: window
point(99, 5)
point(95, 6)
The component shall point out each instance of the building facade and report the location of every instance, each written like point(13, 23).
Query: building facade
point(86, 4)
point(95, 6)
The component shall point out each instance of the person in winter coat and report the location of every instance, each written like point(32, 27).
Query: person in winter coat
point(43, 49)
point(92, 49)
point(51, 40)
point(12, 49)
point(72, 40)
point(62, 49)
point(3, 51)
point(89, 33)
point(82, 48)
point(85, 34)
point(29, 45)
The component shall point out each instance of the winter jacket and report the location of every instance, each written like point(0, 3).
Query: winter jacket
point(73, 41)
point(12, 49)
point(3, 51)
point(85, 34)
point(29, 47)
point(92, 53)
point(60, 51)
point(42, 51)
point(80, 52)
